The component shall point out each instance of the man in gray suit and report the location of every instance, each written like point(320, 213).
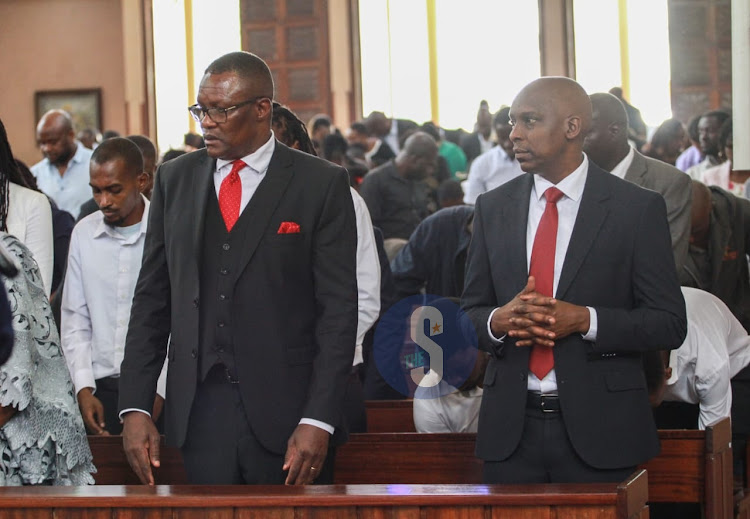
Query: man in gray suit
point(607, 145)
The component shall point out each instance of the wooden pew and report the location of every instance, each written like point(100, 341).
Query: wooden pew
point(693, 466)
point(594, 501)
point(386, 416)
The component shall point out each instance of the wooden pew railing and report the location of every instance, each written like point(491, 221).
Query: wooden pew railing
point(593, 501)
point(693, 466)
point(385, 416)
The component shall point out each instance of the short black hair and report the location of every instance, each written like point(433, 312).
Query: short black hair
point(432, 130)
point(719, 115)
point(360, 127)
point(119, 148)
point(247, 66)
point(172, 154)
point(146, 145)
point(333, 143)
point(194, 140)
point(502, 117)
point(449, 190)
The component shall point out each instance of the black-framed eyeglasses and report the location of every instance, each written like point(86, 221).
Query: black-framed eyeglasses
point(218, 115)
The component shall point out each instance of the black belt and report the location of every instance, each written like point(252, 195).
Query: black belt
point(543, 403)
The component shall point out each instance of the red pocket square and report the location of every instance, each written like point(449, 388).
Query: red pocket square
point(288, 228)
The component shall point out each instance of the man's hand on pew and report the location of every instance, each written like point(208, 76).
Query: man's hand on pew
point(140, 440)
point(305, 454)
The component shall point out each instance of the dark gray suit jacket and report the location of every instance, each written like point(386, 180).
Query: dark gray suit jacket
point(294, 316)
point(620, 263)
point(677, 190)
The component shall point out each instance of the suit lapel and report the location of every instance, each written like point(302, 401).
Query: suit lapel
point(515, 220)
point(591, 215)
point(637, 169)
point(202, 188)
point(263, 204)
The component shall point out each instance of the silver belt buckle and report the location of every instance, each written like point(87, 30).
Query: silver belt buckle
point(542, 399)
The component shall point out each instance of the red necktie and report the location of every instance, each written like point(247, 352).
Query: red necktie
point(230, 195)
point(542, 267)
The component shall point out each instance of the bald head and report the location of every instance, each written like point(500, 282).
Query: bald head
point(56, 138)
point(606, 142)
point(551, 117)
point(418, 158)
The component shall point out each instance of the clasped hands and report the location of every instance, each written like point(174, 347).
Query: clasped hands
point(534, 319)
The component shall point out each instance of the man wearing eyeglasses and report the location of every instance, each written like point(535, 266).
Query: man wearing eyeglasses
point(250, 265)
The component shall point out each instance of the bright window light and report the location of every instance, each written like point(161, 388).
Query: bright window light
point(597, 42)
point(172, 117)
point(485, 50)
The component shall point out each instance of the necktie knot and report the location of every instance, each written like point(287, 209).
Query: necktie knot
point(237, 165)
point(553, 195)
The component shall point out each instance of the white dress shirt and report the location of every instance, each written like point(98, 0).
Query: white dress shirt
point(488, 171)
point(622, 167)
point(716, 348)
point(392, 138)
point(72, 189)
point(368, 274)
point(103, 268)
point(567, 210)
point(30, 220)
point(454, 412)
point(256, 166)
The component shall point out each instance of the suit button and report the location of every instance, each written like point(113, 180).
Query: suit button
point(222, 297)
point(221, 350)
point(523, 376)
point(194, 354)
point(226, 246)
point(224, 272)
point(195, 303)
point(221, 324)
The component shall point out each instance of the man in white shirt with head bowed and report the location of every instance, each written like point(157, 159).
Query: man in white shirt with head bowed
point(103, 265)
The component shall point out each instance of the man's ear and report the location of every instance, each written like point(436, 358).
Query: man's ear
point(573, 127)
point(263, 107)
point(142, 181)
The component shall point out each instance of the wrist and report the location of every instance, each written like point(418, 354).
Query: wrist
point(585, 320)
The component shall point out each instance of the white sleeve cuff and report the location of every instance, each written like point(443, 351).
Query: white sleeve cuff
point(318, 424)
point(130, 410)
point(496, 340)
point(593, 323)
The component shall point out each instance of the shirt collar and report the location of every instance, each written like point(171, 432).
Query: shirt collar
point(571, 186)
point(102, 228)
point(622, 167)
point(78, 155)
point(258, 161)
point(394, 127)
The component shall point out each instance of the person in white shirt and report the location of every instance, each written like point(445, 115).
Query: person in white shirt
point(457, 410)
point(495, 167)
point(63, 174)
point(709, 369)
point(104, 261)
point(25, 213)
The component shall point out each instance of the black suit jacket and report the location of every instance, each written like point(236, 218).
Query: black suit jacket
point(619, 261)
point(294, 303)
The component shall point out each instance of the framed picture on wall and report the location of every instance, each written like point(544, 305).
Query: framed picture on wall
point(83, 105)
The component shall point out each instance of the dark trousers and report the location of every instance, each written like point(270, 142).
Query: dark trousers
point(355, 413)
point(220, 446)
point(545, 455)
point(108, 393)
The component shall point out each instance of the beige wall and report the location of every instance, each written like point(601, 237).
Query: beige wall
point(58, 44)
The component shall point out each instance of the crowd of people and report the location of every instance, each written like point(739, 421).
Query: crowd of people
point(229, 294)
